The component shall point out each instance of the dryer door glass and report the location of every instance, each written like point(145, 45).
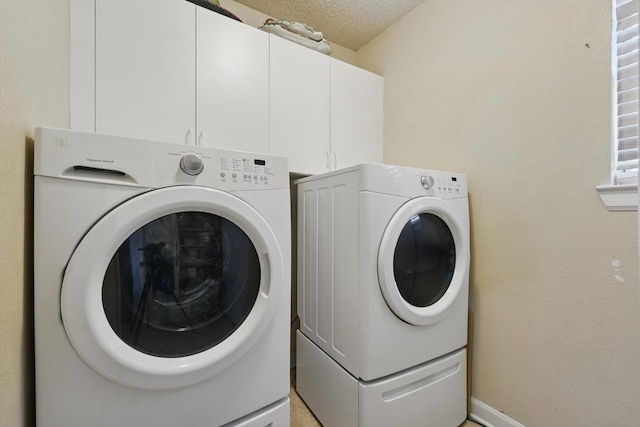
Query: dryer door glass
point(424, 260)
point(181, 284)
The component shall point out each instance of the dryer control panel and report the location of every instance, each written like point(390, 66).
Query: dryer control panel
point(443, 185)
point(408, 182)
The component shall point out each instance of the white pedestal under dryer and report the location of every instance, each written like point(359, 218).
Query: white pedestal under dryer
point(162, 284)
point(383, 285)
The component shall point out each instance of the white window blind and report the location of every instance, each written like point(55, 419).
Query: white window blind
point(625, 93)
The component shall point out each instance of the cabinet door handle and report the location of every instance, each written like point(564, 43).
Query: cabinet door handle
point(201, 139)
point(187, 138)
point(335, 160)
point(328, 163)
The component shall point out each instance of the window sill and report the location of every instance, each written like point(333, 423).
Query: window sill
point(619, 197)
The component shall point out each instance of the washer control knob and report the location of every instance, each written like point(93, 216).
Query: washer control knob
point(426, 181)
point(191, 164)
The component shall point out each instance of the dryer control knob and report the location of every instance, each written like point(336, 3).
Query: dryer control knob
point(191, 164)
point(426, 181)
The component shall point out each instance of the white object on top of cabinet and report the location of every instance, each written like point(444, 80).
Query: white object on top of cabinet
point(171, 71)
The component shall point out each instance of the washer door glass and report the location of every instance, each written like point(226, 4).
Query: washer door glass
point(172, 287)
point(423, 260)
point(181, 284)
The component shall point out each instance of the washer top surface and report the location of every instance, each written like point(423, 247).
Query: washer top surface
point(403, 181)
point(134, 162)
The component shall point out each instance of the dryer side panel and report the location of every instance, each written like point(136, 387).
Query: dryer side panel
point(327, 265)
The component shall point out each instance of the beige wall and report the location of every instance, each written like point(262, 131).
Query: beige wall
point(515, 93)
point(34, 91)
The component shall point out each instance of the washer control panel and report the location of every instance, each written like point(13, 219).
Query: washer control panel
point(118, 160)
point(232, 170)
point(248, 170)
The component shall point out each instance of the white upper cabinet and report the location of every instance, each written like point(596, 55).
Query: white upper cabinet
point(169, 70)
point(232, 84)
point(300, 115)
point(325, 114)
point(145, 77)
point(356, 115)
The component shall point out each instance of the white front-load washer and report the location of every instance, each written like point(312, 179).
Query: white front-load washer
point(383, 282)
point(162, 284)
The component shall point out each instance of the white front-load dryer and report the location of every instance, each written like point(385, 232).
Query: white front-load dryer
point(383, 283)
point(162, 284)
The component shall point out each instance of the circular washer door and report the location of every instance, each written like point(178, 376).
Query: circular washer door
point(171, 287)
point(422, 261)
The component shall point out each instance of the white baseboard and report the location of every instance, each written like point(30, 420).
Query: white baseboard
point(490, 417)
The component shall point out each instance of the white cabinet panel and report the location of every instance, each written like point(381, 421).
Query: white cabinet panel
point(324, 114)
point(168, 70)
point(232, 84)
point(145, 69)
point(299, 106)
point(356, 115)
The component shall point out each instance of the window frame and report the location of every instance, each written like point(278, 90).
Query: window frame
point(622, 192)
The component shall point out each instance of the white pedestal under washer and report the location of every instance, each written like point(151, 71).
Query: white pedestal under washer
point(383, 280)
point(162, 284)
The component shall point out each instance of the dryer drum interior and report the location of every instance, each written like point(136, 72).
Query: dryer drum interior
point(424, 260)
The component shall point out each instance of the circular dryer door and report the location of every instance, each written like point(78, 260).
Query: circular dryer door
point(422, 261)
point(171, 287)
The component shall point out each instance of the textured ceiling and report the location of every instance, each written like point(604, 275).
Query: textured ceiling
point(349, 23)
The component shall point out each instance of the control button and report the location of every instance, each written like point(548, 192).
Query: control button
point(426, 181)
point(191, 164)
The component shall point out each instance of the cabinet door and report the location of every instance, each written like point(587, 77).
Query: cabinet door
point(232, 84)
point(299, 106)
point(145, 69)
point(356, 115)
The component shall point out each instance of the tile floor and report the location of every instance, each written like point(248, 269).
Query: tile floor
point(301, 416)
